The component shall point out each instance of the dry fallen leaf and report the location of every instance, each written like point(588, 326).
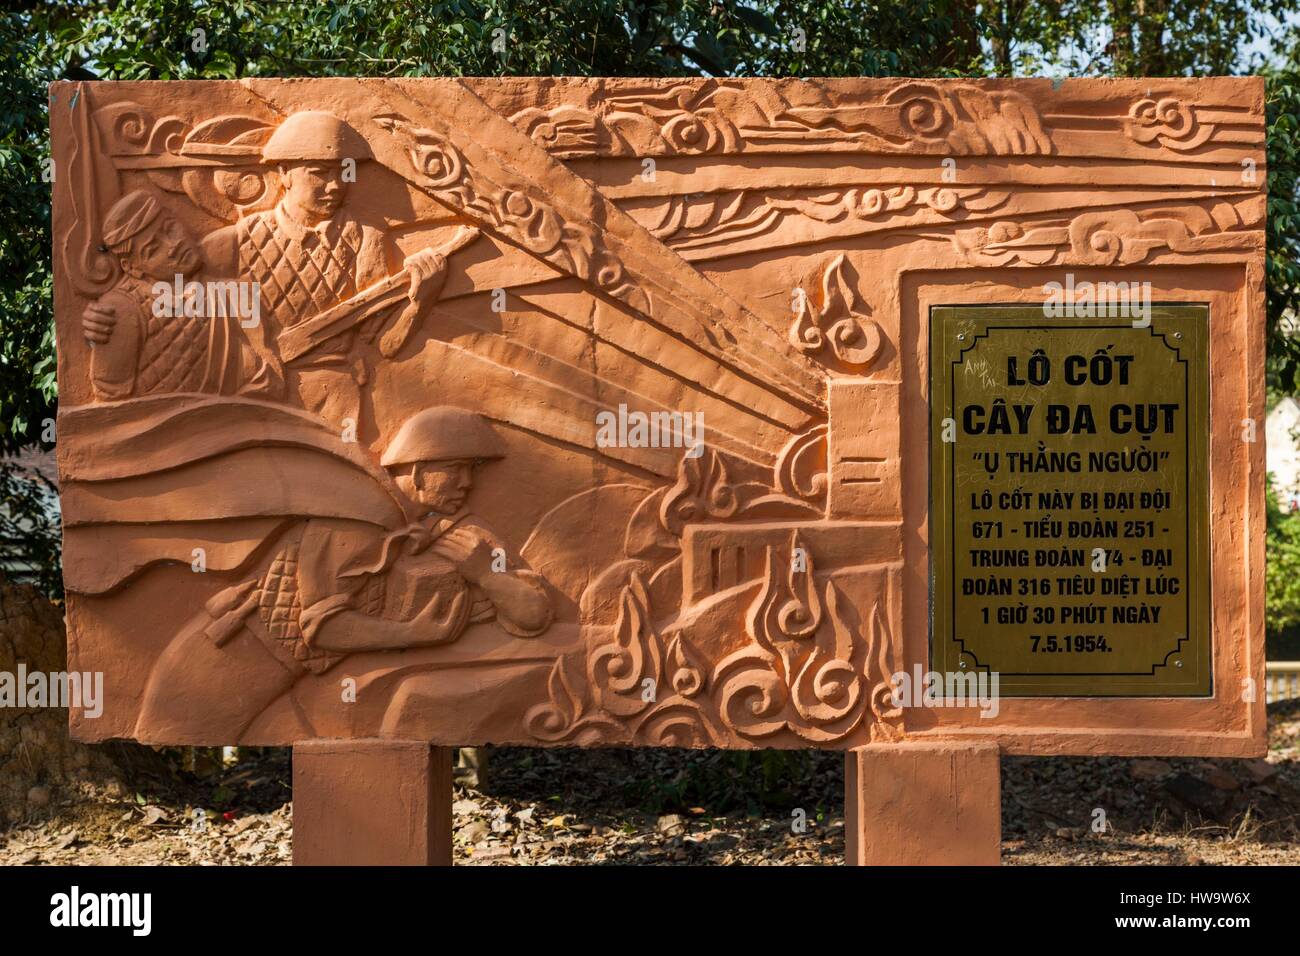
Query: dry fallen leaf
point(152, 815)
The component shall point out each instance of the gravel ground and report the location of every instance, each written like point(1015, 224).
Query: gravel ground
point(669, 807)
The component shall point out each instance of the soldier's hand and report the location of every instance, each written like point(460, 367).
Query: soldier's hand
point(428, 272)
point(440, 616)
point(469, 552)
point(98, 322)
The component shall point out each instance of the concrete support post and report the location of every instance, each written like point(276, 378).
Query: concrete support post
point(371, 802)
point(922, 804)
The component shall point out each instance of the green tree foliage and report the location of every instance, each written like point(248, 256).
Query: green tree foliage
point(31, 542)
point(1126, 37)
point(27, 386)
point(1282, 278)
point(1282, 569)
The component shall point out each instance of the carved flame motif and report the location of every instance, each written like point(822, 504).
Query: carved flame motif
point(617, 669)
point(612, 704)
point(811, 668)
point(798, 674)
point(888, 723)
point(684, 672)
point(788, 608)
point(828, 685)
point(564, 716)
point(833, 321)
point(703, 491)
point(554, 719)
point(801, 469)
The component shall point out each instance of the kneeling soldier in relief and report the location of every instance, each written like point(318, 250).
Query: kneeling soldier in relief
point(335, 588)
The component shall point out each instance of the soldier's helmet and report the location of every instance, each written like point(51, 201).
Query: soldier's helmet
point(442, 433)
point(315, 136)
point(129, 216)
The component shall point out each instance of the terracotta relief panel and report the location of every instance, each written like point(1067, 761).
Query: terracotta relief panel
point(488, 411)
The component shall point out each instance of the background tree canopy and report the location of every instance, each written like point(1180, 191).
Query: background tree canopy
point(189, 39)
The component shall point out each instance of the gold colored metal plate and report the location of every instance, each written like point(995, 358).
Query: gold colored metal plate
point(1069, 500)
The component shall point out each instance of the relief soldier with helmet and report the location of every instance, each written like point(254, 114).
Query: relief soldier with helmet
point(336, 587)
point(310, 253)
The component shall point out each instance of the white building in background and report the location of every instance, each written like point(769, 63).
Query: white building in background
point(1282, 436)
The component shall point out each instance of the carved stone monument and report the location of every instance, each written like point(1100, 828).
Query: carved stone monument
point(398, 414)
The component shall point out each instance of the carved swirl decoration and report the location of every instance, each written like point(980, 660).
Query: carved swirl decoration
point(1167, 122)
point(526, 219)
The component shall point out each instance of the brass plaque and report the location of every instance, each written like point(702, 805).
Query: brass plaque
point(1069, 513)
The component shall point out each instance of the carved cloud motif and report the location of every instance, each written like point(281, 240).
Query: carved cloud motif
point(1168, 122)
point(971, 120)
point(1110, 237)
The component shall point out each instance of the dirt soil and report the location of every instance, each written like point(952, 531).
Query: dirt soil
point(668, 807)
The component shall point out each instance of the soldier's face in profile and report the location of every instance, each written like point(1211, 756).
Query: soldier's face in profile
point(442, 486)
point(163, 249)
point(316, 189)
